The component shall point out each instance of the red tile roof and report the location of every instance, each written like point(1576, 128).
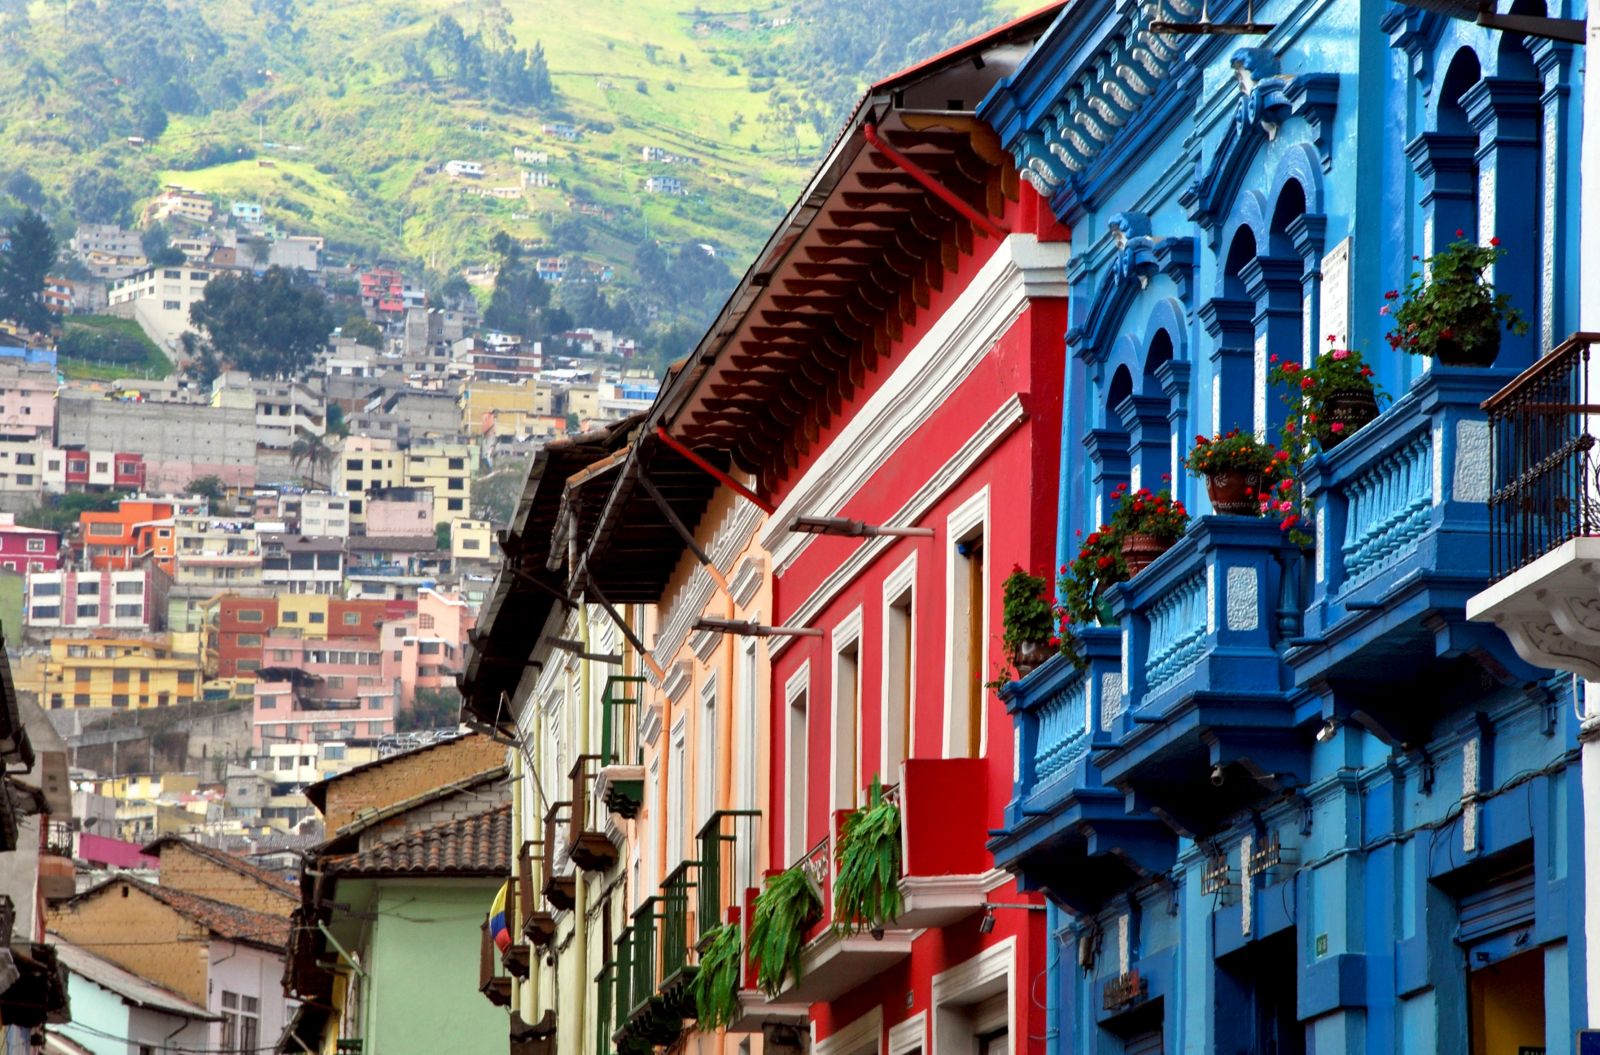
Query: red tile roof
point(479, 844)
point(226, 921)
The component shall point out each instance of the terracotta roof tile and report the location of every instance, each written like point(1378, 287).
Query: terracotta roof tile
point(222, 919)
point(479, 844)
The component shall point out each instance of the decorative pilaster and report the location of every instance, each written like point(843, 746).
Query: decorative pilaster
point(1274, 284)
point(1506, 114)
point(1228, 321)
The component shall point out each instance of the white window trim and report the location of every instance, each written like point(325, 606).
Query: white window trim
point(799, 684)
point(972, 513)
point(864, 1036)
point(706, 781)
point(909, 1036)
point(898, 583)
point(845, 633)
point(966, 984)
point(677, 794)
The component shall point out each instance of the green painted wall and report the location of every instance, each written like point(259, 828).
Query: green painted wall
point(11, 605)
point(422, 957)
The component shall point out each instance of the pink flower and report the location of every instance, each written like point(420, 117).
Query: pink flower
point(1272, 358)
point(1336, 428)
point(1284, 506)
point(1342, 353)
point(1384, 310)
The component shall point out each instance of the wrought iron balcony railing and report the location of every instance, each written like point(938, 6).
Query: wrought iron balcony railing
point(1546, 476)
point(678, 892)
point(728, 846)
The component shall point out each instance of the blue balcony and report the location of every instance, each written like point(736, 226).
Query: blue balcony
point(1402, 509)
point(1067, 833)
point(1206, 725)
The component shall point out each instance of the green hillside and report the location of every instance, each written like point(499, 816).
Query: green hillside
point(337, 115)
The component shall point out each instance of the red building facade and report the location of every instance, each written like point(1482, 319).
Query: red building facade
point(893, 361)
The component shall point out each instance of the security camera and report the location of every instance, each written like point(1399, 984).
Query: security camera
point(1217, 776)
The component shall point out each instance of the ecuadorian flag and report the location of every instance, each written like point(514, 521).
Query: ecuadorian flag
point(498, 928)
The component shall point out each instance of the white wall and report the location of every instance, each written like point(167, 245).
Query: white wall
point(250, 971)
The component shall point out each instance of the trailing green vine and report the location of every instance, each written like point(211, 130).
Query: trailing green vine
point(866, 891)
point(716, 983)
point(788, 904)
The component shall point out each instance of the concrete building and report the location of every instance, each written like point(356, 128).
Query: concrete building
point(399, 512)
point(472, 541)
point(27, 401)
point(324, 515)
point(119, 538)
point(284, 410)
point(301, 252)
point(302, 564)
point(133, 601)
point(469, 169)
point(108, 251)
point(176, 202)
point(158, 299)
point(25, 549)
point(180, 443)
point(249, 212)
point(310, 690)
point(114, 672)
point(366, 464)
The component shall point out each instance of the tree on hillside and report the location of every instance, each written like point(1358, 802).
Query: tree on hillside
point(209, 487)
point(495, 493)
point(26, 190)
point(361, 330)
point(312, 451)
point(60, 512)
point(270, 326)
point(99, 196)
point(519, 294)
point(23, 269)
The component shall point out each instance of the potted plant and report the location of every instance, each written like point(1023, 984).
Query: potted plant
point(1148, 523)
point(1330, 400)
point(1237, 468)
point(1029, 622)
point(716, 983)
point(866, 888)
point(787, 907)
point(1449, 309)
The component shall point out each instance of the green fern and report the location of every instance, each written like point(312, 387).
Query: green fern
point(788, 904)
point(866, 891)
point(716, 983)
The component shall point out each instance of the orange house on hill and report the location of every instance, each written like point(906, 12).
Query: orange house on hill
point(117, 539)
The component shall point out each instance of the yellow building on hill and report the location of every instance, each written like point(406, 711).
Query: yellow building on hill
point(119, 673)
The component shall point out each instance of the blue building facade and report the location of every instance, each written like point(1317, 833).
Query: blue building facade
point(1293, 801)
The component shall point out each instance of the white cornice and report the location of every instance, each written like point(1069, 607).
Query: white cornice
point(978, 445)
point(747, 580)
point(1021, 269)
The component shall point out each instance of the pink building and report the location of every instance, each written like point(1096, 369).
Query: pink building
point(27, 401)
point(426, 650)
point(26, 548)
point(133, 599)
point(316, 689)
point(400, 512)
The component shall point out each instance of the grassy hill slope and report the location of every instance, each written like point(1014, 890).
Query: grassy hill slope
point(307, 107)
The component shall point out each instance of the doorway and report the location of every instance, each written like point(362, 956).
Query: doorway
point(1505, 1006)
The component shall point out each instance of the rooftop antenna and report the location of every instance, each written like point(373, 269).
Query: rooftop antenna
point(1207, 28)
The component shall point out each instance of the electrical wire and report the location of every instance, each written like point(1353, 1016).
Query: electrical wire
point(175, 1050)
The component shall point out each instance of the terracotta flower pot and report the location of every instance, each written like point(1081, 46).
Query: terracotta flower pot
point(1235, 493)
point(1351, 408)
point(1029, 655)
point(1138, 551)
point(1478, 353)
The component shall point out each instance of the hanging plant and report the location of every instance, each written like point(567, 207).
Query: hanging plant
point(866, 891)
point(788, 905)
point(716, 983)
point(1449, 308)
